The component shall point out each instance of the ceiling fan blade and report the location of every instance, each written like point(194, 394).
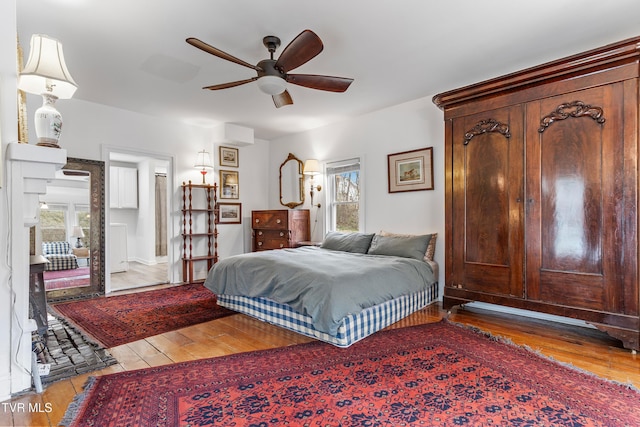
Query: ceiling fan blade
point(328, 83)
point(282, 99)
point(301, 49)
point(220, 54)
point(230, 84)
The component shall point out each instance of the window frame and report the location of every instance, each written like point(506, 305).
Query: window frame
point(330, 202)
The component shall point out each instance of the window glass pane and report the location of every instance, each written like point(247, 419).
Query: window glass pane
point(347, 186)
point(347, 217)
point(52, 225)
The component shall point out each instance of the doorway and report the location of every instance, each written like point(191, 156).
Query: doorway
point(139, 206)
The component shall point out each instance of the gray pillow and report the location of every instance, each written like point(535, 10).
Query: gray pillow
point(347, 242)
point(402, 246)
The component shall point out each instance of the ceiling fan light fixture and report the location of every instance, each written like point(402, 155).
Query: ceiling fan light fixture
point(272, 85)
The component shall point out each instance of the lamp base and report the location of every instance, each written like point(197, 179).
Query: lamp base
point(46, 142)
point(48, 122)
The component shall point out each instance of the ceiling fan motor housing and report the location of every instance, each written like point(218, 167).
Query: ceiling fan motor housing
point(271, 80)
point(271, 43)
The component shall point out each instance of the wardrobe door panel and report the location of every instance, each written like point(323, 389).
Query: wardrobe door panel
point(575, 177)
point(487, 202)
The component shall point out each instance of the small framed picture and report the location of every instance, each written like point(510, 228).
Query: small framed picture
point(411, 170)
point(229, 213)
point(229, 184)
point(229, 157)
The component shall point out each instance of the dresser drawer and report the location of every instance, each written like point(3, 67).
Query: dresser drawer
point(271, 239)
point(275, 220)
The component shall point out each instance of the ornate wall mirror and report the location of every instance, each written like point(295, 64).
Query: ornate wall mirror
point(89, 214)
point(291, 182)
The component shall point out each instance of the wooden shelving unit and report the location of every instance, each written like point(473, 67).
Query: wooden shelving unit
point(207, 214)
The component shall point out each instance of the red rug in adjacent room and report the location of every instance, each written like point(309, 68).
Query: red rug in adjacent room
point(63, 279)
point(438, 374)
point(118, 320)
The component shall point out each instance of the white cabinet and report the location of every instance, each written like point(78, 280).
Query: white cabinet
point(123, 189)
point(118, 248)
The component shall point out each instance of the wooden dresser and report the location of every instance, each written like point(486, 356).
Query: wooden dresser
point(541, 174)
point(280, 228)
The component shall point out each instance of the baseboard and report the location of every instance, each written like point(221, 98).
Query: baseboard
point(527, 313)
point(144, 261)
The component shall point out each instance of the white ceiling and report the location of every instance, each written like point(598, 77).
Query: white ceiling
point(132, 54)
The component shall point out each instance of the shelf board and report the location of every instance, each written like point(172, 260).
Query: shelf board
point(198, 258)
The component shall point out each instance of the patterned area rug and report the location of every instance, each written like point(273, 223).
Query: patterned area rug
point(437, 374)
point(118, 320)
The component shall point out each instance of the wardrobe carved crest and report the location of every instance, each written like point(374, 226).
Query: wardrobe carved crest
point(572, 109)
point(487, 125)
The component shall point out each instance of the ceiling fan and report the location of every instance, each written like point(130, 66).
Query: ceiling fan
point(273, 75)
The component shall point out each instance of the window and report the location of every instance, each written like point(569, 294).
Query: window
point(344, 192)
point(53, 224)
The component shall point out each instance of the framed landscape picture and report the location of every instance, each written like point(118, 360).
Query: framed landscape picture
point(410, 170)
point(229, 213)
point(229, 157)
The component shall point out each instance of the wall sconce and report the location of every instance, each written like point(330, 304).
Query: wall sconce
point(46, 74)
point(203, 161)
point(77, 233)
point(312, 168)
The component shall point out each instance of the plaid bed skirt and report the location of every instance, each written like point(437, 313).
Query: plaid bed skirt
point(353, 328)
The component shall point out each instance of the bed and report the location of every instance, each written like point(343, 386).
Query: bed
point(351, 286)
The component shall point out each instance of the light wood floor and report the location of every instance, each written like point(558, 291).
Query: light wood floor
point(584, 348)
point(139, 275)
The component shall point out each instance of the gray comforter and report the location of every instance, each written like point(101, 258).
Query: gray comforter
point(323, 284)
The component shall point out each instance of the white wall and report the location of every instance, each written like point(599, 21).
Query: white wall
point(254, 175)
point(8, 133)
point(413, 125)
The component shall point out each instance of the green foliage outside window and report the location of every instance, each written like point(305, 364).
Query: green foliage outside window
point(52, 225)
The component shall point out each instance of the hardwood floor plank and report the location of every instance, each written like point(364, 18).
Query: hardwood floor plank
point(59, 395)
point(30, 410)
point(144, 349)
point(159, 359)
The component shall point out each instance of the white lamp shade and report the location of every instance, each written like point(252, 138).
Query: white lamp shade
point(311, 167)
point(272, 85)
point(77, 231)
point(203, 160)
point(46, 71)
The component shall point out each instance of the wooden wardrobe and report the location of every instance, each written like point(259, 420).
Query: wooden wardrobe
point(542, 190)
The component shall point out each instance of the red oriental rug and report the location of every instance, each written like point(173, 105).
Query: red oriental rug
point(437, 374)
point(121, 319)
